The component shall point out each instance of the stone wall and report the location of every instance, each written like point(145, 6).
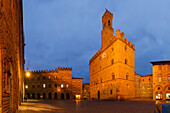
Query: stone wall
point(11, 55)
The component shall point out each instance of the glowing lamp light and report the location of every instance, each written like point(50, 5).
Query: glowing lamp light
point(26, 87)
point(27, 74)
point(58, 90)
point(77, 96)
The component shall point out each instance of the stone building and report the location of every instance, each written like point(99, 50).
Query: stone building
point(143, 86)
point(86, 91)
point(112, 72)
point(161, 80)
point(11, 55)
point(146, 87)
point(53, 84)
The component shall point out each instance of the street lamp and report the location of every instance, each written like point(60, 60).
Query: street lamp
point(27, 74)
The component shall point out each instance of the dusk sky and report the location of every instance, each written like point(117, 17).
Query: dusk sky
point(68, 32)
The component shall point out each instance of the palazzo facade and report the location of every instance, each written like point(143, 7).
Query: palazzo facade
point(112, 68)
point(53, 84)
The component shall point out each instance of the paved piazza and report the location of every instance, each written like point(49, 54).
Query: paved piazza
point(86, 106)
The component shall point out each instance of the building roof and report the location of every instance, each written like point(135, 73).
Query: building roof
point(86, 84)
point(146, 75)
point(160, 62)
point(76, 78)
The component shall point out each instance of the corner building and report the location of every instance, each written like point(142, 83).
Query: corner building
point(161, 80)
point(112, 72)
point(53, 84)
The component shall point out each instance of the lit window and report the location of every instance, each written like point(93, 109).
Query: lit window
point(79, 86)
point(74, 86)
point(62, 85)
point(26, 86)
point(85, 91)
point(159, 79)
point(169, 79)
point(67, 78)
point(44, 85)
point(73, 80)
point(67, 85)
point(79, 81)
point(49, 77)
point(61, 77)
point(160, 68)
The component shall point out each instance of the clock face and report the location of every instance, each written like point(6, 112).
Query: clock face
point(104, 54)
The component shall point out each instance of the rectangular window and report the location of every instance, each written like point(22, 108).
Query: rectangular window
point(44, 85)
point(169, 79)
point(159, 79)
point(62, 85)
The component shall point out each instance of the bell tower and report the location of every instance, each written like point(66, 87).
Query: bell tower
point(107, 31)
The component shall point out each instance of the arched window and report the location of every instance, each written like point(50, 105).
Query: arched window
point(127, 77)
point(125, 61)
point(108, 22)
point(113, 76)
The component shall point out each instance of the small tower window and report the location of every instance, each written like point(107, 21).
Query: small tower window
point(127, 77)
point(108, 22)
point(113, 76)
point(112, 62)
point(125, 61)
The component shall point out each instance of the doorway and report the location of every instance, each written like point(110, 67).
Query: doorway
point(67, 96)
point(62, 95)
point(98, 94)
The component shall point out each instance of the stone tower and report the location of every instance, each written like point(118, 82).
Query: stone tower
point(112, 68)
point(107, 31)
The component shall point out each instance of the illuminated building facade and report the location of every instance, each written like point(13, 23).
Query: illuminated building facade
point(53, 84)
point(11, 55)
point(86, 91)
point(161, 80)
point(144, 86)
point(112, 72)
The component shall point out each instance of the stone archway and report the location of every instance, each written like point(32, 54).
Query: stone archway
point(44, 95)
point(98, 94)
point(62, 95)
point(49, 95)
point(55, 95)
point(67, 96)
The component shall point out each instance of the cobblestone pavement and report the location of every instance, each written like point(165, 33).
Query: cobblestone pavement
point(87, 106)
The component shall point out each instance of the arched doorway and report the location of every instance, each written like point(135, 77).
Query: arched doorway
point(62, 95)
point(38, 95)
point(98, 94)
point(67, 96)
point(28, 95)
point(55, 95)
point(44, 96)
point(49, 95)
point(33, 95)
